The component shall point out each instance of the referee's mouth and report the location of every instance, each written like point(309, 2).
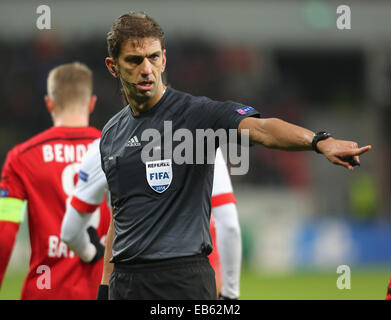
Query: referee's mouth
point(145, 85)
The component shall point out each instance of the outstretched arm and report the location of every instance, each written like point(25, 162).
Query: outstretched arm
point(278, 134)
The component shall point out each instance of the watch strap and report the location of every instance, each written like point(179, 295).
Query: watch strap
point(319, 136)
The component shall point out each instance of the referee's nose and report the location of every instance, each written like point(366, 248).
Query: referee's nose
point(146, 68)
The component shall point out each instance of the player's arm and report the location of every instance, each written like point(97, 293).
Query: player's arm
point(87, 197)
point(229, 242)
point(79, 237)
point(228, 235)
point(12, 209)
point(11, 215)
point(278, 134)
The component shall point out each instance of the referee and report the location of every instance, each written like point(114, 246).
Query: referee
point(161, 209)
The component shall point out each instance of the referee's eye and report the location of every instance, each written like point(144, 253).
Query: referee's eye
point(154, 57)
point(135, 60)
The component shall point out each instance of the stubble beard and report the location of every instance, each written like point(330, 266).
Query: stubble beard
point(134, 96)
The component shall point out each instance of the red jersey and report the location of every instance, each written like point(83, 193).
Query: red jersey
point(388, 296)
point(43, 171)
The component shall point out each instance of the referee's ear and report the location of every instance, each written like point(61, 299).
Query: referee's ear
point(110, 63)
point(164, 60)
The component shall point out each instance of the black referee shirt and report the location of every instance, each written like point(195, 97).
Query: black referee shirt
point(162, 209)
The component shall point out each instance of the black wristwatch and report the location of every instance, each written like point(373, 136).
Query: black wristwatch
point(319, 136)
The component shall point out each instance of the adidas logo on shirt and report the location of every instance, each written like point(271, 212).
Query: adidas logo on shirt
point(133, 142)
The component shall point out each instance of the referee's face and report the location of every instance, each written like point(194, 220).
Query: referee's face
point(141, 63)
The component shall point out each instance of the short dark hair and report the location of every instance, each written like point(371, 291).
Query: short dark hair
point(132, 26)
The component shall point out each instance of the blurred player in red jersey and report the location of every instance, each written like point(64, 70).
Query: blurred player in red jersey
point(41, 173)
point(388, 296)
point(225, 230)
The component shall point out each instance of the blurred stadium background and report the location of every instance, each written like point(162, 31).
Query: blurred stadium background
point(301, 217)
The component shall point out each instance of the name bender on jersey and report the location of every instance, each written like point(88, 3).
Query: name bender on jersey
point(63, 152)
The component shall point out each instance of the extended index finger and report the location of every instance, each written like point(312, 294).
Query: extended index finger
point(361, 150)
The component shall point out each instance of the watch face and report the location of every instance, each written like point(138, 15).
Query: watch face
point(323, 135)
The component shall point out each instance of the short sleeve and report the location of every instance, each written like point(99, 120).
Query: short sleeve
point(103, 152)
point(219, 115)
point(11, 184)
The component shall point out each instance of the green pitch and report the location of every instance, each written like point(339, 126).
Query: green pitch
point(366, 284)
point(12, 286)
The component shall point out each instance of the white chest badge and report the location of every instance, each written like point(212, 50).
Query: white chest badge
point(159, 174)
